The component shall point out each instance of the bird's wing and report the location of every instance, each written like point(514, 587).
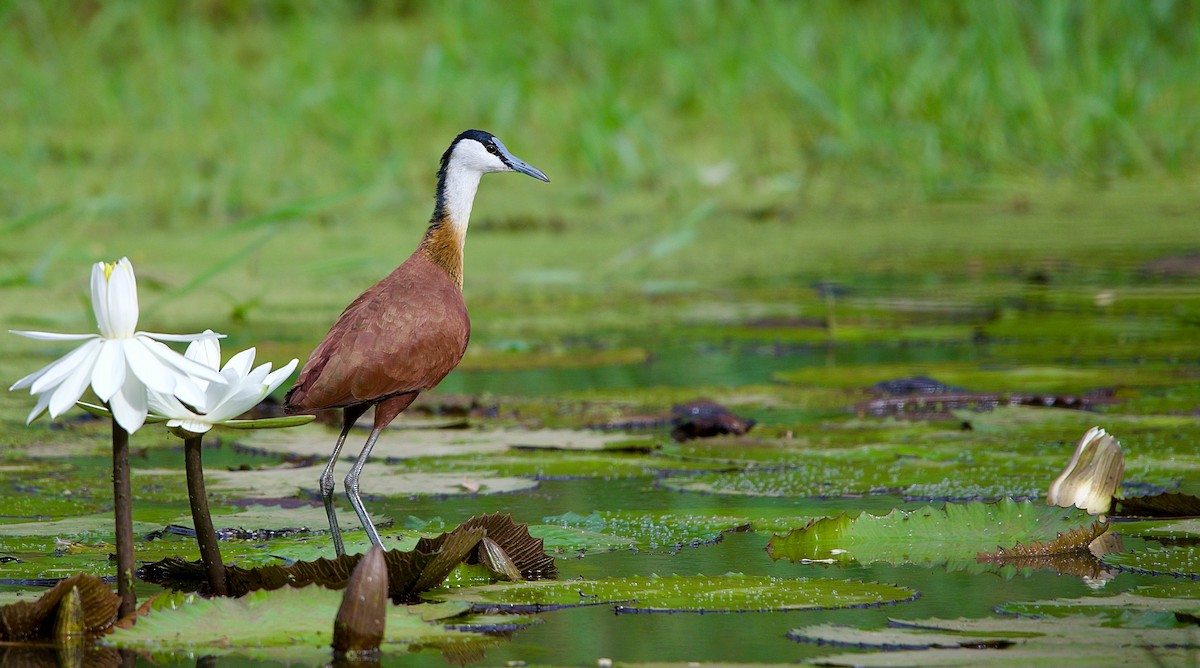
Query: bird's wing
point(403, 334)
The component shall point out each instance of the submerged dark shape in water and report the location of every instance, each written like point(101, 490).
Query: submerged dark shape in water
point(921, 397)
point(703, 418)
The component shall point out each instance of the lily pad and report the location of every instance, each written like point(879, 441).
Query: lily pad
point(378, 480)
point(28, 620)
point(986, 476)
point(549, 464)
point(402, 443)
point(955, 534)
point(426, 565)
point(1003, 641)
point(1178, 561)
point(651, 530)
point(281, 618)
point(728, 593)
point(1142, 607)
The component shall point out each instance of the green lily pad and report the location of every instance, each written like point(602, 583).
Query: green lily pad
point(1003, 641)
point(1178, 561)
point(955, 534)
point(1141, 608)
point(651, 530)
point(399, 442)
point(547, 464)
point(378, 480)
point(279, 618)
point(728, 593)
point(988, 476)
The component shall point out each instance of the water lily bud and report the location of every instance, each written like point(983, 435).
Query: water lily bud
point(1092, 476)
point(360, 620)
point(497, 561)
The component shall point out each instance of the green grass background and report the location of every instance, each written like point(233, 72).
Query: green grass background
point(263, 161)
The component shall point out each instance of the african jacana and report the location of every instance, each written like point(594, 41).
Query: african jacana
point(406, 332)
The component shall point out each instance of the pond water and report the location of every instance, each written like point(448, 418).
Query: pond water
point(1142, 359)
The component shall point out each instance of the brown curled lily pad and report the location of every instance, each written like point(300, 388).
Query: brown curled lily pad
point(36, 620)
point(409, 572)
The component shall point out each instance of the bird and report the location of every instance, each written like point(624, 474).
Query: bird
point(404, 334)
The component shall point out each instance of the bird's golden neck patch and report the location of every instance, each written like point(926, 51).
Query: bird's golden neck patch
point(443, 245)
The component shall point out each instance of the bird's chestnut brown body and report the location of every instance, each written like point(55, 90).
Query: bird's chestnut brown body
point(401, 336)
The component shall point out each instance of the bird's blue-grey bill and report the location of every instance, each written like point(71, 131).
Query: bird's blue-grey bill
point(525, 168)
point(520, 165)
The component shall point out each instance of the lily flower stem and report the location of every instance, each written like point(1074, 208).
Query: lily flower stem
point(123, 508)
point(210, 554)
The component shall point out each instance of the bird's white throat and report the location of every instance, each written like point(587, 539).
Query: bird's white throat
point(469, 161)
point(458, 196)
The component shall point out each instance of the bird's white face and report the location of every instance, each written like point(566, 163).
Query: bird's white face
point(470, 155)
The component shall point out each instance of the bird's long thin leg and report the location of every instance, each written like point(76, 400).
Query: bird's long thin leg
point(350, 415)
point(385, 412)
point(352, 487)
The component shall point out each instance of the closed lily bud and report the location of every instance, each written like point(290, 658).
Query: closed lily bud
point(497, 561)
point(360, 620)
point(1092, 476)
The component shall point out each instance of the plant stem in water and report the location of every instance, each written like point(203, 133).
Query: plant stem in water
point(210, 554)
point(123, 508)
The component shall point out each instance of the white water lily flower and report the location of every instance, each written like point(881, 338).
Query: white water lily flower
point(242, 390)
point(119, 363)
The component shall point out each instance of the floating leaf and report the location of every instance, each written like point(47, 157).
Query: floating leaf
point(1003, 641)
point(28, 620)
point(423, 567)
point(526, 553)
point(956, 533)
point(285, 617)
point(652, 530)
point(1178, 561)
point(1136, 609)
point(728, 593)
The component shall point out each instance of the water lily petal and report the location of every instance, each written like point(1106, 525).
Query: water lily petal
point(276, 378)
point(51, 374)
point(129, 404)
point(100, 300)
point(83, 356)
point(71, 387)
point(182, 338)
point(109, 372)
point(167, 405)
point(193, 426)
point(122, 302)
point(184, 367)
point(190, 394)
point(145, 361)
point(239, 365)
point(258, 375)
point(42, 402)
point(52, 336)
point(236, 403)
point(206, 351)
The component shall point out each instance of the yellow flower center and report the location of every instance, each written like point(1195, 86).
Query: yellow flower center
point(108, 269)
